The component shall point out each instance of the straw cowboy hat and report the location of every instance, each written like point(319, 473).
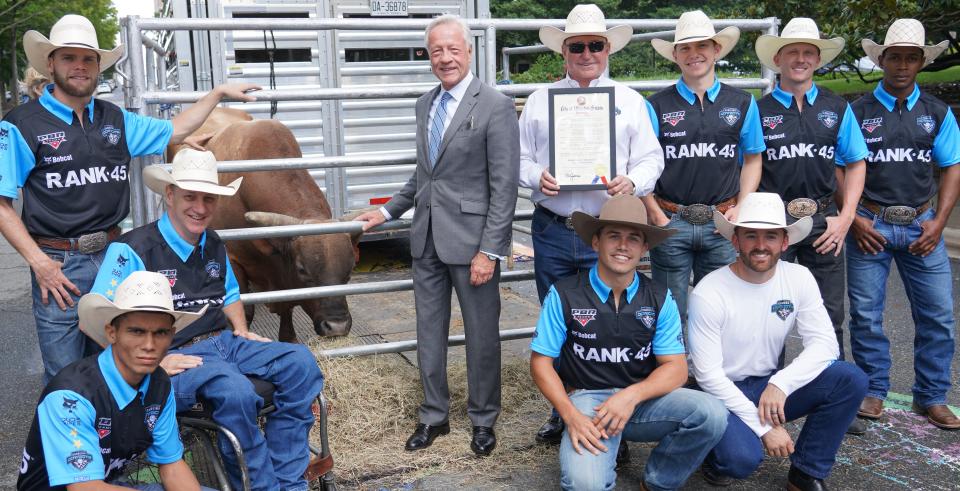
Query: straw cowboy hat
point(586, 20)
point(193, 170)
point(623, 209)
point(798, 30)
point(142, 291)
point(763, 211)
point(693, 27)
point(904, 32)
point(71, 31)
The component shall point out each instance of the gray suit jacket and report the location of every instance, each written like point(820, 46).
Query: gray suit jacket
point(468, 198)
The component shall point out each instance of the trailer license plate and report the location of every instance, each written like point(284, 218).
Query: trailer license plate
point(388, 8)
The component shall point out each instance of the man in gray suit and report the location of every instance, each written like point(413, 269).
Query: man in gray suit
point(464, 192)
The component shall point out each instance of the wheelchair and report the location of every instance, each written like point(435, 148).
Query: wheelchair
point(198, 430)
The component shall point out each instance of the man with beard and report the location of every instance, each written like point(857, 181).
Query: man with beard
point(739, 319)
point(70, 154)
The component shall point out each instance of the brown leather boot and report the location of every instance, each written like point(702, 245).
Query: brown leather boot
point(871, 408)
point(939, 415)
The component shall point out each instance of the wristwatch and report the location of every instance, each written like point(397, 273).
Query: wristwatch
point(491, 256)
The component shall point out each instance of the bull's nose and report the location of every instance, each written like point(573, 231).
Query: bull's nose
point(334, 328)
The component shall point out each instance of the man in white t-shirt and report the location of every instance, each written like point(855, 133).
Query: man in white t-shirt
point(740, 316)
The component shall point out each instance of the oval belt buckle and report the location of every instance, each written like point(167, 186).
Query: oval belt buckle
point(697, 214)
point(899, 215)
point(801, 207)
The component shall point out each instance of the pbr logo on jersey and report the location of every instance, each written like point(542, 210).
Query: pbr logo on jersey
point(151, 414)
point(783, 309)
point(828, 118)
point(673, 118)
point(171, 275)
point(110, 134)
point(103, 427)
point(730, 115)
point(53, 139)
point(646, 315)
point(772, 121)
point(79, 459)
point(871, 124)
point(583, 316)
point(213, 269)
point(926, 123)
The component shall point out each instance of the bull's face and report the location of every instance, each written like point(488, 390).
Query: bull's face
point(324, 260)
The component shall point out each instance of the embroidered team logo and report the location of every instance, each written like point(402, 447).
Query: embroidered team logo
point(647, 316)
point(110, 134)
point(926, 123)
point(772, 121)
point(828, 118)
point(783, 309)
point(673, 118)
point(730, 115)
point(213, 269)
point(121, 261)
point(79, 459)
point(53, 139)
point(871, 124)
point(151, 414)
point(171, 275)
point(583, 316)
point(103, 427)
point(69, 404)
point(4, 132)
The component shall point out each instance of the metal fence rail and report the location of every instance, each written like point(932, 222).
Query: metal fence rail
point(411, 345)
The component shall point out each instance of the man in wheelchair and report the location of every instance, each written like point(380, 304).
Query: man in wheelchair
point(101, 411)
point(212, 360)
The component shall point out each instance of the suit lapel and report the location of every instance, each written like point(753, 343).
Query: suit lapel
point(423, 135)
point(463, 110)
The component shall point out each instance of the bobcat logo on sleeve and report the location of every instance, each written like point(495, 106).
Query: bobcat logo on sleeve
point(772, 121)
point(79, 459)
point(69, 404)
point(110, 134)
point(730, 115)
point(673, 118)
point(828, 118)
point(583, 316)
point(646, 315)
point(783, 309)
point(151, 414)
point(926, 123)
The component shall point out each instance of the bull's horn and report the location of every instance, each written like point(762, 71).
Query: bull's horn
point(266, 219)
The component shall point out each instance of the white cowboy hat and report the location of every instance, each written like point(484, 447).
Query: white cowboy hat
point(193, 170)
point(798, 30)
point(71, 31)
point(142, 291)
point(763, 211)
point(586, 20)
point(904, 32)
point(693, 27)
point(623, 209)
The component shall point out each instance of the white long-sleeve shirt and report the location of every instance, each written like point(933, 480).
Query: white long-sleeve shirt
point(737, 330)
point(639, 155)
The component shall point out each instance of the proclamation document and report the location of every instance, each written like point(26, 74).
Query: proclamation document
point(583, 151)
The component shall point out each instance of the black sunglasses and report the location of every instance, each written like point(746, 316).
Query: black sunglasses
point(595, 47)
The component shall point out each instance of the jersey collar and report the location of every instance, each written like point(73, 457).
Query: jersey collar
point(119, 388)
point(603, 291)
point(179, 246)
point(890, 101)
point(59, 109)
point(691, 97)
point(786, 98)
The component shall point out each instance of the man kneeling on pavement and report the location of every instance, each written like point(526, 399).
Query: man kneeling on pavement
point(621, 361)
point(100, 412)
point(739, 319)
point(208, 361)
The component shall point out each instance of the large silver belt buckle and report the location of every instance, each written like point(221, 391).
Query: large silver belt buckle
point(801, 207)
point(899, 215)
point(91, 243)
point(697, 214)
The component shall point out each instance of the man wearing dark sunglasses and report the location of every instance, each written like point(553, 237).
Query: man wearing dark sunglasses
point(585, 44)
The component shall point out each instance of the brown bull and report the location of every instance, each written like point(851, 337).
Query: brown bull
point(279, 198)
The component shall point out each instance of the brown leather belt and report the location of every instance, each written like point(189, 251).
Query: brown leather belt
point(562, 220)
point(804, 207)
point(200, 337)
point(696, 214)
point(86, 243)
point(894, 215)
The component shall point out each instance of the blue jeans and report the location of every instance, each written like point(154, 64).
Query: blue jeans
point(558, 252)
point(58, 331)
point(694, 248)
point(686, 423)
point(829, 402)
point(278, 459)
point(928, 284)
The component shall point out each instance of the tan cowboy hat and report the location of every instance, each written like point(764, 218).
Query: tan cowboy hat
point(763, 211)
point(623, 209)
point(696, 26)
point(904, 32)
point(193, 170)
point(798, 30)
point(586, 20)
point(142, 291)
point(71, 31)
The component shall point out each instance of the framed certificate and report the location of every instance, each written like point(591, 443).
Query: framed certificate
point(583, 150)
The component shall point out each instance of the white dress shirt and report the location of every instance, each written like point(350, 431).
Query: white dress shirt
point(639, 155)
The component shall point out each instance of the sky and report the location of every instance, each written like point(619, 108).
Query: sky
point(143, 8)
